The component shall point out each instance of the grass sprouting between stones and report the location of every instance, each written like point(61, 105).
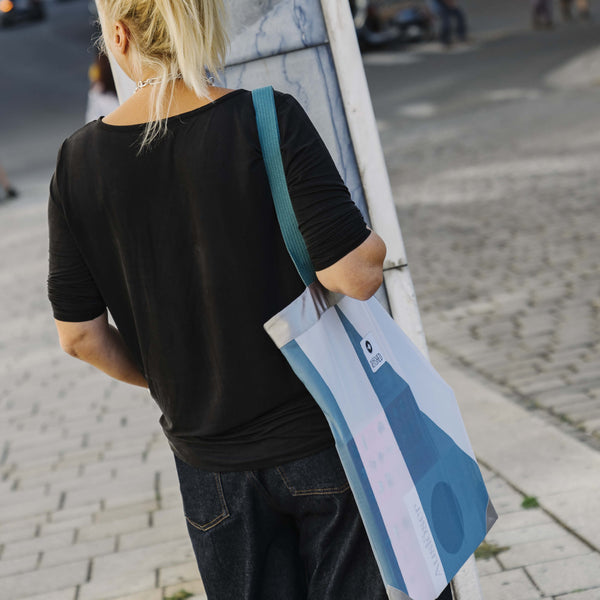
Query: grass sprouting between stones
point(180, 595)
point(487, 550)
point(530, 502)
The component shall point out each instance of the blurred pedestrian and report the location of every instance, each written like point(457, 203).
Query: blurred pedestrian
point(541, 14)
point(566, 8)
point(583, 9)
point(9, 190)
point(448, 12)
point(102, 95)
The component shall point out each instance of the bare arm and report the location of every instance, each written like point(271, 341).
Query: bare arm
point(101, 345)
point(358, 274)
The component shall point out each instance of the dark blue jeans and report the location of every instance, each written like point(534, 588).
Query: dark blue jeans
point(291, 532)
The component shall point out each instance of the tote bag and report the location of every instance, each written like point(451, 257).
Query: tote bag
point(396, 423)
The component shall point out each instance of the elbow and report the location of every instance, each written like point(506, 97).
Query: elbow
point(360, 273)
point(73, 346)
point(368, 286)
point(82, 339)
point(372, 276)
point(70, 349)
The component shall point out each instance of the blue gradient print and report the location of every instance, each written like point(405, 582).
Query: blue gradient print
point(449, 483)
point(353, 466)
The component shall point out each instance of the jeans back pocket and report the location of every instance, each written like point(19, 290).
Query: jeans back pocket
point(204, 502)
point(321, 474)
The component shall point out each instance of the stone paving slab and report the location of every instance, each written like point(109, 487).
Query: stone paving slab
point(531, 553)
point(531, 454)
point(108, 587)
point(78, 550)
point(66, 594)
point(585, 595)
point(178, 574)
point(488, 566)
point(509, 585)
point(539, 534)
point(44, 580)
point(567, 575)
point(583, 512)
point(22, 564)
point(110, 528)
point(155, 594)
point(37, 544)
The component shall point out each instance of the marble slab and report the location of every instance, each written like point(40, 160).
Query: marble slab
point(309, 75)
point(263, 28)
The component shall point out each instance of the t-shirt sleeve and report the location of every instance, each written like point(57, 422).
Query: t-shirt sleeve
point(71, 288)
point(329, 221)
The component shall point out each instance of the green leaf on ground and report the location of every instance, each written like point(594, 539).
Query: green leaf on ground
point(487, 550)
point(180, 595)
point(530, 502)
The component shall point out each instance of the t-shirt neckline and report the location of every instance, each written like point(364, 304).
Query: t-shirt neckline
point(189, 113)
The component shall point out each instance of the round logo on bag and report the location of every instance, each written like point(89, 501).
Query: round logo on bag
point(372, 354)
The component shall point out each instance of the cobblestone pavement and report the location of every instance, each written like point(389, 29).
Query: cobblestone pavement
point(510, 282)
point(544, 484)
point(500, 211)
point(89, 501)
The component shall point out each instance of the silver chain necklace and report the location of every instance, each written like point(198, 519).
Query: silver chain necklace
point(153, 81)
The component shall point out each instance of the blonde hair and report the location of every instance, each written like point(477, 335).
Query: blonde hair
point(174, 39)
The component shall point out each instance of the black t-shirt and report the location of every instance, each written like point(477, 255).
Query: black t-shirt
point(181, 243)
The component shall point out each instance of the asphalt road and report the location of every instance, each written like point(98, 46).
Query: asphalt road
point(43, 71)
point(492, 94)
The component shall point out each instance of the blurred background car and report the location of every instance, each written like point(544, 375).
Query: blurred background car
point(18, 11)
point(383, 21)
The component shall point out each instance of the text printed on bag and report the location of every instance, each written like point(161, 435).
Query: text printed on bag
point(372, 354)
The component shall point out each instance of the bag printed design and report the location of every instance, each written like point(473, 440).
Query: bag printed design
point(396, 423)
point(399, 434)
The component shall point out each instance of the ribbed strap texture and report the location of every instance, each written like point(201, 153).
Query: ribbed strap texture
point(268, 134)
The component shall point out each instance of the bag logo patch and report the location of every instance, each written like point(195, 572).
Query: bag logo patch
point(372, 354)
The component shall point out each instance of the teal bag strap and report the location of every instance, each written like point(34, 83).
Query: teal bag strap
point(268, 134)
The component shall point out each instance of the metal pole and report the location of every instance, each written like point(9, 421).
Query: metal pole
point(371, 164)
point(380, 202)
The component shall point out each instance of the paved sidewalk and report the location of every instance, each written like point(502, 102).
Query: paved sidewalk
point(551, 550)
point(89, 505)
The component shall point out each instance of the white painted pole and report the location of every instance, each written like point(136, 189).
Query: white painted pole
point(380, 202)
point(371, 164)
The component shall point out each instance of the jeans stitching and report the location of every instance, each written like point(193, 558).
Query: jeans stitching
point(218, 518)
point(312, 492)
